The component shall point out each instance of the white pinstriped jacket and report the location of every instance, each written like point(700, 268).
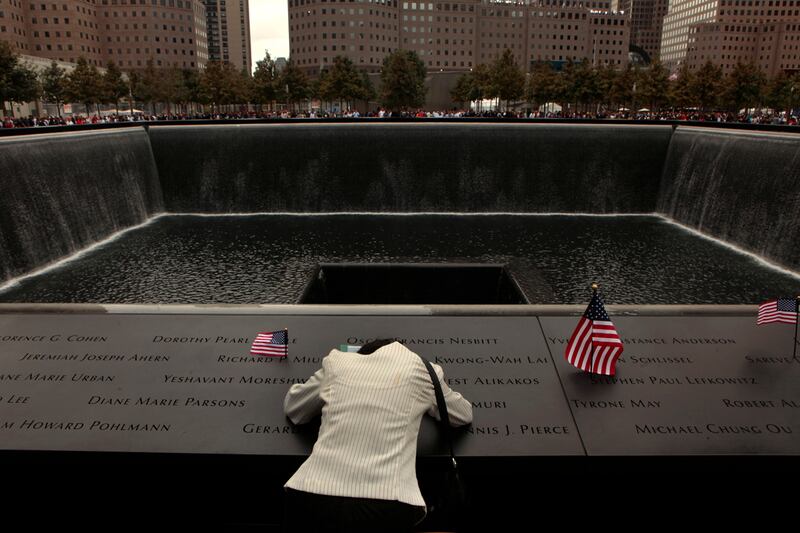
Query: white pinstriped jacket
point(371, 406)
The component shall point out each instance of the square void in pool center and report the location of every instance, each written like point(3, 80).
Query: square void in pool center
point(412, 283)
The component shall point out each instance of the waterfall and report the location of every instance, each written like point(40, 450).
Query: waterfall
point(62, 192)
point(740, 187)
point(390, 167)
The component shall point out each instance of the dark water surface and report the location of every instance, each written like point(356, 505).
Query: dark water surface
point(269, 259)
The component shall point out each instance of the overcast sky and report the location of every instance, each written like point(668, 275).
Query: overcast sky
point(269, 28)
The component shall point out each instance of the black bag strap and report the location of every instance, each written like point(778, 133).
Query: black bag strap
point(445, 418)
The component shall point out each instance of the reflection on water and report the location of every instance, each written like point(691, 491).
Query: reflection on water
point(268, 259)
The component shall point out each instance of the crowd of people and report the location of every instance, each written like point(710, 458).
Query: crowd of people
point(753, 117)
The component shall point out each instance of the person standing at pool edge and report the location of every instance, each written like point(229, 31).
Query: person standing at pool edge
point(361, 473)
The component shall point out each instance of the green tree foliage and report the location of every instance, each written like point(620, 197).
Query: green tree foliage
point(145, 85)
point(293, 84)
point(53, 81)
point(403, 81)
point(220, 84)
point(653, 86)
point(582, 83)
point(84, 84)
point(706, 85)
point(744, 87)
point(622, 88)
point(507, 81)
point(472, 85)
point(114, 85)
point(366, 90)
point(783, 92)
point(18, 83)
point(680, 90)
point(245, 88)
point(265, 81)
point(342, 82)
point(188, 90)
point(544, 85)
point(606, 78)
point(463, 89)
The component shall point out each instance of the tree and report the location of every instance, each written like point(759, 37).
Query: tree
point(366, 90)
point(783, 92)
point(482, 78)
point(462, 91)
point(507, 79)
point(622, 88)
point(18, 82)
point(680, 90)
point(743, 87)
point(84, 84)
point(582, 85)
point(222, 84)
point(53, 80)
point(544, 85)
point(606, 78)
point(293, 84)
point(472, 85)
point(342, 82)
point(653, 85)
point(265, 80)
point(114, 85)
point(706, 85)
point(168, 89)
point(145, 85)
point(188, 90)
point(403, 81)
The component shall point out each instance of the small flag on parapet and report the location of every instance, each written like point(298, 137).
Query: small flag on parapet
point(595, 345)
point(271, 343)
point(783, 310)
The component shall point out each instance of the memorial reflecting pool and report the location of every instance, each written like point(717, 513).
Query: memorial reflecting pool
point(269, 259)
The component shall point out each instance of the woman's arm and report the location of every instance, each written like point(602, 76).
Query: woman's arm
point(459, 409)
point(303, 402)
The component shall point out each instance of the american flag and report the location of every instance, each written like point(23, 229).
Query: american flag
point(272, 343)
point(782, 310)
point(595, 345)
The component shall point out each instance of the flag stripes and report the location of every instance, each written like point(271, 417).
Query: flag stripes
point(594, 345)
point(782, 310)
point(271, 343)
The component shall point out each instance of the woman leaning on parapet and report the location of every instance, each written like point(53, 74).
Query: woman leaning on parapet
point(361, 474)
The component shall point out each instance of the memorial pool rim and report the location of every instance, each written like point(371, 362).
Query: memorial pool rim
point(227, 466)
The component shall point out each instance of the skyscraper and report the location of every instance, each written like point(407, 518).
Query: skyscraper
point(228, 23)
point(764, 32)
point(456, 35)
point(647, 19)
point(129, 32)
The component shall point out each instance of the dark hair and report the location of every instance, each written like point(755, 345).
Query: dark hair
point(374, 345)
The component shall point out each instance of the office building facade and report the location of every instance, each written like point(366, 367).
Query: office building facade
point(646, 20)
point(456, 35)
point(763, 32)
point(228, 30)
point(129, 32)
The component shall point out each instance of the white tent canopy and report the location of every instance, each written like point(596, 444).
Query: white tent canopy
point(550, 107)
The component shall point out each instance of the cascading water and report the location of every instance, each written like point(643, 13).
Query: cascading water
point(62, 192)
point(410, 167)
point(740, 187)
